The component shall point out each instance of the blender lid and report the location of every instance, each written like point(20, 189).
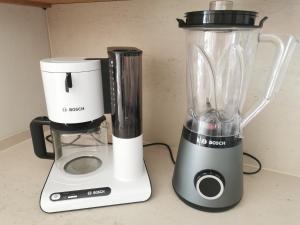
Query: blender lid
point(70, 65)
point(220, 15)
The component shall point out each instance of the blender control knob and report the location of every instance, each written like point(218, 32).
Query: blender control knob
point(209, 184)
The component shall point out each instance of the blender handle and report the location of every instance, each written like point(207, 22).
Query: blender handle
point(38, 138)
point(283, 55)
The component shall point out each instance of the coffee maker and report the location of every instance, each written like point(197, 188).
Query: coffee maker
point(221, 45)
point(87, 171)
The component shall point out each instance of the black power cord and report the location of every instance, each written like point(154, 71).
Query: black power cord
point(167, 146)
point(72, 143)
point(48, 138)
point(256, 160)
point(245, 154)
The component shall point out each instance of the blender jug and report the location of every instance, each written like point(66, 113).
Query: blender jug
point(221, 45)
point(219, 63)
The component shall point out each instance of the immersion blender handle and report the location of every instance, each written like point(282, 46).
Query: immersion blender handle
point(38, 138)
point(283, 55)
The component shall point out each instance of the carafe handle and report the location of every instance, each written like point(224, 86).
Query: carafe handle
point(284, 52)
point(38, 138)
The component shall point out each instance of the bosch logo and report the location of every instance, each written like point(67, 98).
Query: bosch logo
point(97, 192)
point(73, 109)
point(219, 143)
point(203, 141)
point(213, 142)
point(76, 109)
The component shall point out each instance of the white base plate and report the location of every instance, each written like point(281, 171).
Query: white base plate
point(122, 192)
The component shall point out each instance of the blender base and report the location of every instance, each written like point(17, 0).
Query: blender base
point(206, 209)
point(65, 192)
point(208, 179)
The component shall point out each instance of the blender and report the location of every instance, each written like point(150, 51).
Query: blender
point(221, 44)
point(88, 172)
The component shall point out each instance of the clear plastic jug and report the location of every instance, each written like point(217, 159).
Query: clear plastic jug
point(219, 63)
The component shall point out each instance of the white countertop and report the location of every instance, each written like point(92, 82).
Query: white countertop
point(269, 198)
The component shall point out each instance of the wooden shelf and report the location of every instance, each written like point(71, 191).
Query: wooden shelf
point(48, 3)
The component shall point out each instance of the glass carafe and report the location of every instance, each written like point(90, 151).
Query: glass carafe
point(80, 152)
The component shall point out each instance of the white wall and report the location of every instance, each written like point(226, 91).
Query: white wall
point(87, 29)
point(23, 42)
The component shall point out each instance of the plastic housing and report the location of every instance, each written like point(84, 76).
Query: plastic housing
point(73, 89)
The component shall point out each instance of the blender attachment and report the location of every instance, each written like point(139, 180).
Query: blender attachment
point(221, 45)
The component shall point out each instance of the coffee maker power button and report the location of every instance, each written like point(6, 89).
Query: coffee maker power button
point(55, 197)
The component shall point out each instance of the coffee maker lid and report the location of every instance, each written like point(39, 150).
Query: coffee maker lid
point(70, 65)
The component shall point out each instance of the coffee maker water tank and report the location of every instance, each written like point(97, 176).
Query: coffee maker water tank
point(72, 86)
point(125, 68)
